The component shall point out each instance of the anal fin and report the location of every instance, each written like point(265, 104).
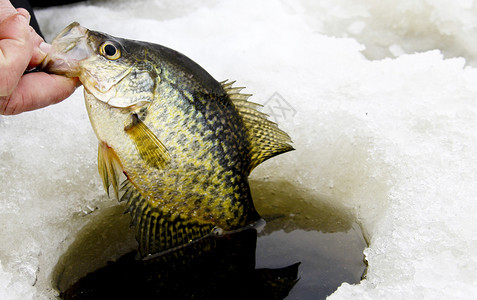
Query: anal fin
point(156, 230)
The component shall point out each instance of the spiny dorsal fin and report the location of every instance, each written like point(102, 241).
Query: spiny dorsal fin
point(266, 139)
point(151, 149)
point(156, 230)
point(109, 167)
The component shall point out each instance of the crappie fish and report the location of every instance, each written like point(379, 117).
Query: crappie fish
point(185, 142)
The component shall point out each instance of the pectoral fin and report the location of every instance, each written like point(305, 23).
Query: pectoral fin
point(148, 145)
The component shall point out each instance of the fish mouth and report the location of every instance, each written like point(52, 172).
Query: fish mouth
point(72, 31)
point(69, 48)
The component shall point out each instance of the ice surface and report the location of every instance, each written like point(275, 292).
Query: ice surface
point(389, 28)
point(391, 140)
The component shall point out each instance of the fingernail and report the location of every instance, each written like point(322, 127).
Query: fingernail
point(45, 47)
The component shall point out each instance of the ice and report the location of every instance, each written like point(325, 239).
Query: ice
point(384, 94)
point(414, 26)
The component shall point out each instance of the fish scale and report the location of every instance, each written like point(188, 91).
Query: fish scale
point(185, 142)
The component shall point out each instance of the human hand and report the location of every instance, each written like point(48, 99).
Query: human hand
point(22, 48)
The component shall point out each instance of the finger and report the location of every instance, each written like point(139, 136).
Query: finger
point(15, 51)
point(37, 90)
point(40, 48)
point(24, 13)
point(39, 54)
point(6, 9)
point(37, 40)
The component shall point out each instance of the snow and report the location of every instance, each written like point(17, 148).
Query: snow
point(384, 94)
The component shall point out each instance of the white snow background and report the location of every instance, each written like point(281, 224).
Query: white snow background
point(385, 126)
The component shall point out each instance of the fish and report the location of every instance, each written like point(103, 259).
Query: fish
point(185, 142)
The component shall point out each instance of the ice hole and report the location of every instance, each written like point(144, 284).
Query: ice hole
point(324, 239)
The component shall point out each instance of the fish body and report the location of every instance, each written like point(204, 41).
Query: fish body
point(185, 142)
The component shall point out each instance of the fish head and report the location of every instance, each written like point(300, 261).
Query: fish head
point(109, 68)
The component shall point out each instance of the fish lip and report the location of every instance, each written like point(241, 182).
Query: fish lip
point(75, 26)
point(69, 48)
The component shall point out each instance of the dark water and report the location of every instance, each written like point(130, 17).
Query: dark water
point(306, 250)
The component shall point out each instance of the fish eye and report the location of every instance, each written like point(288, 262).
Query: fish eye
point(110, 51)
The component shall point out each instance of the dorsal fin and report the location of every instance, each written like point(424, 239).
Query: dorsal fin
point(265, 138)
point(156, 230)
point(109, 167)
